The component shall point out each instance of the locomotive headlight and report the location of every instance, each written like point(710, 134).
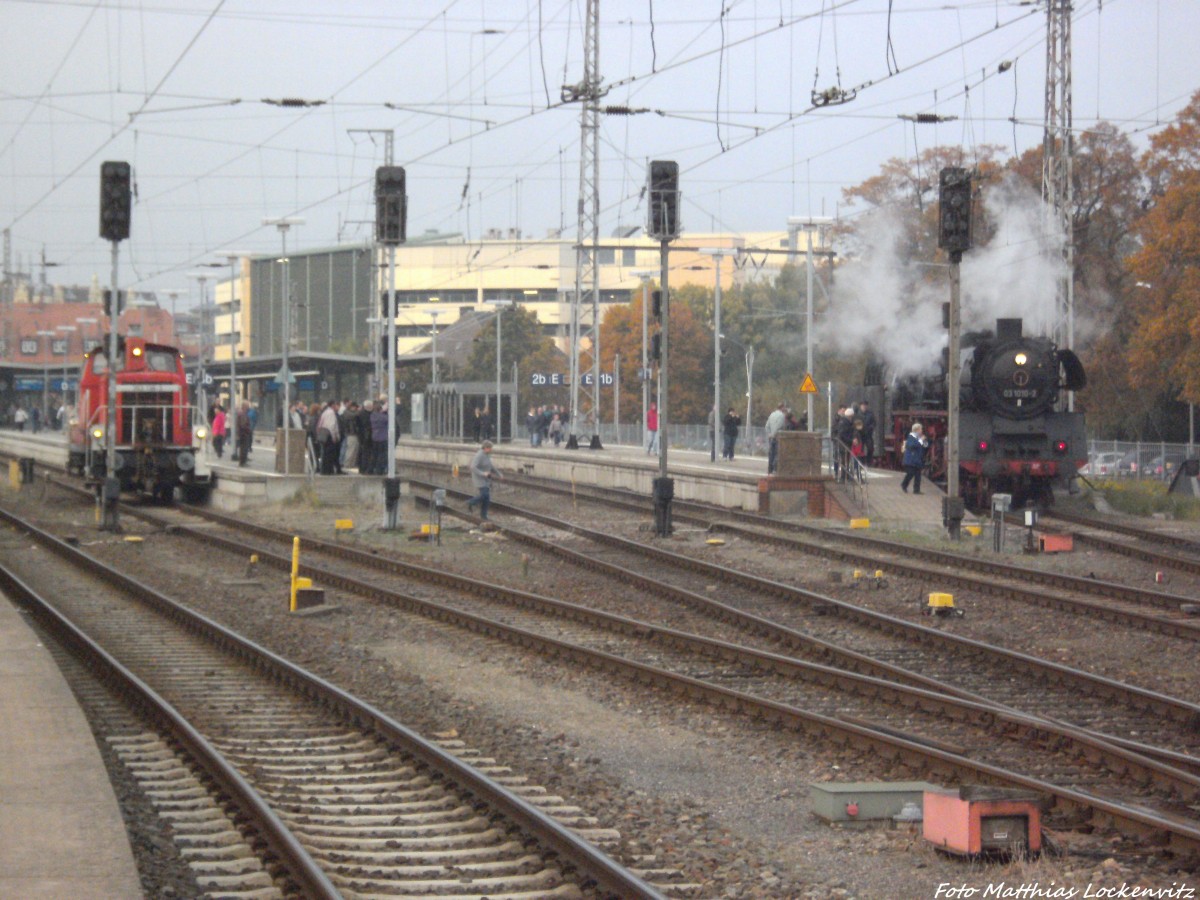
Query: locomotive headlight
point(1020, 359)
point(201, 433)
point(137, 351)
point(98, 432)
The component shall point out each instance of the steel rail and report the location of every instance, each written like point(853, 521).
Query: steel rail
point(1132, 818)
point(978, 710)
point(1191, 565)
point(1171, 540)
point(1178, 710)
point(302, 870)
point(952, 574)
point(591, 863)
point(850, 660)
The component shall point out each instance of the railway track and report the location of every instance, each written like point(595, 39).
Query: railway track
point(821, 628)
point(961, 739)
point(336, 798)
point(1185, 558)
point(1073, 803)
point(1155, 612)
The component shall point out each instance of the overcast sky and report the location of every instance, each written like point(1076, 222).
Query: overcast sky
point(473, 93)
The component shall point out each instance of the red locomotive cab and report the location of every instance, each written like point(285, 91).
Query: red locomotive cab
point(153, 419)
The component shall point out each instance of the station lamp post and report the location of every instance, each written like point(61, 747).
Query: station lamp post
point(43, 332)
point(502, 304)
point(644, 374)
point(231, 258)
point(718, 253)
point(433, 372)
point(285, 376)
point(205, 346)
point(812, 226)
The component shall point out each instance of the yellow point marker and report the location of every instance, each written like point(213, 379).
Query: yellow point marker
point(295, 572)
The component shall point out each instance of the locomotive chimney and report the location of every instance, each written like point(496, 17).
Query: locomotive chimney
point(1008, 329)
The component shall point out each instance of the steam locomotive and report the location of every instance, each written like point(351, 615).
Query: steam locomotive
point(156, 443)
point(1012, 438)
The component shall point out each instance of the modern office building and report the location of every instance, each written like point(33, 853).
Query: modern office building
point(334, 293)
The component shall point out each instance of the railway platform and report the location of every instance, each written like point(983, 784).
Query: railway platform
point(737, 484)
point(61, 832)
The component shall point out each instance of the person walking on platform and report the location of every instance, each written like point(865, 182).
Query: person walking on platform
point(245, 432)
point(729, 430)
point(483, 470)
point(914, 458)
point(868, 424)
point(328, 435)
point(218, 429)
point(379, 439)
point(775, 423)
point(652, 429)
point(844, 433)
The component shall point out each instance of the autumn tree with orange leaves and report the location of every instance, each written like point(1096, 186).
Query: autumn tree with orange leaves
point(691, 369)
point(1164, 347)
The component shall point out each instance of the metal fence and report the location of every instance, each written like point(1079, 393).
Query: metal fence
point(1135, 459)
point(751, 441)
point(1106, 459)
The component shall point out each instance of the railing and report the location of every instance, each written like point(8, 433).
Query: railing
point(150, 423)
point(851, 472)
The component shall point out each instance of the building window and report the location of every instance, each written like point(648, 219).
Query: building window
point(629, 256)
point(615, 296)
point(606, 256)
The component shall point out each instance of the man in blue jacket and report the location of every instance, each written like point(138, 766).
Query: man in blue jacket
point(914, 457)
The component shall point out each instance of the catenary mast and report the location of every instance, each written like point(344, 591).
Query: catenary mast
point(1057, 148)
point(585, 318)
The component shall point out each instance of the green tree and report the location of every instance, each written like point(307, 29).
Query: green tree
point(522, 342)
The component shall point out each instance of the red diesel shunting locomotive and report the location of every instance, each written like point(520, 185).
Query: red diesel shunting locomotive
point(155, 437)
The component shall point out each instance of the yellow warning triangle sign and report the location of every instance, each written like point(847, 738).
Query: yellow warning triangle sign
point(809, 386)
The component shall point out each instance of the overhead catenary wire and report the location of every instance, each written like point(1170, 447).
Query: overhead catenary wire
point(724, 116)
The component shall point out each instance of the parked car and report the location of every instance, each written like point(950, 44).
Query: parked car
point(1101, 464)
point(1129, 463)
point(1165, 466)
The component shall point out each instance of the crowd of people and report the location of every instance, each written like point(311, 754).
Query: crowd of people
point(21, 417)
point(345, 435)
point(348, 435)
point(545, 424)
point(853, 430)
point(782, 418)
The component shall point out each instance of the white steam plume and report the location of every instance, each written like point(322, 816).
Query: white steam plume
point(883, 303)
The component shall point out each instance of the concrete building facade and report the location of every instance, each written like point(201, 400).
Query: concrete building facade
point(336, 294)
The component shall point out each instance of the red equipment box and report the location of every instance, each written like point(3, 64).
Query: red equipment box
point(977, 820)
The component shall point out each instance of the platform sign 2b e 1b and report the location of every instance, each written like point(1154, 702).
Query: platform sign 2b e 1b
point(554, 379)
